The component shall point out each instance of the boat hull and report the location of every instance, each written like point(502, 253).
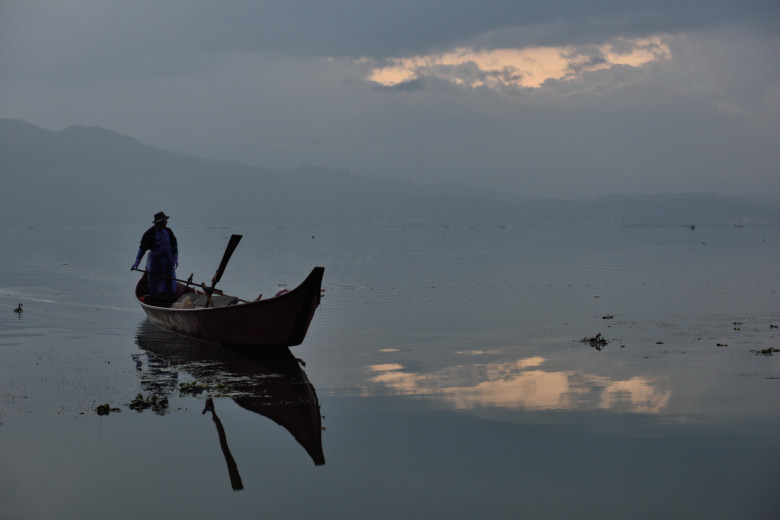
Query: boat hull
point(280, 321)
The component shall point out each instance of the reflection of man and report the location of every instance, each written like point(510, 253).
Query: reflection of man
point(163, 259)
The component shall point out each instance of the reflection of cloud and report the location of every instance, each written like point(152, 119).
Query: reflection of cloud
point(516, 68)
point(522, 384)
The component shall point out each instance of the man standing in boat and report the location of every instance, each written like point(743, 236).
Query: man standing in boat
point(163, 258)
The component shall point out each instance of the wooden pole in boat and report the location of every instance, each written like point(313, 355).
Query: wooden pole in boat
point(185, 282)
point(189, 281)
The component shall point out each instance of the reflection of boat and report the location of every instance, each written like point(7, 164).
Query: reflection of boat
point(281, 320)
point(270, 383)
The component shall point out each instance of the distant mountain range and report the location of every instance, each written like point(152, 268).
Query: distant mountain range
point(84, 175)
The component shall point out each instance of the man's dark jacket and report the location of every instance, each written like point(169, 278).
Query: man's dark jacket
point(147, 240)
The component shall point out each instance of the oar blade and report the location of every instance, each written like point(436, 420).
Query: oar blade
point(232, 244)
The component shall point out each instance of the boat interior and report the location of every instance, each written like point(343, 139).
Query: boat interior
point(197, 300)
point(186, 297)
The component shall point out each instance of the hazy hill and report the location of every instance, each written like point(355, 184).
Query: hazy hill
point(90, 175)
point(86, 174)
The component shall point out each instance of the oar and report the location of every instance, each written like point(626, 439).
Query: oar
point(210, 302)
point(232, 244)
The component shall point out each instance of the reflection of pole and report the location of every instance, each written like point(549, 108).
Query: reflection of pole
point(235, 477)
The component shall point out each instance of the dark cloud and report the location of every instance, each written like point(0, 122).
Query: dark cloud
point(583, 59)
point(506, 75)
point(355, 28)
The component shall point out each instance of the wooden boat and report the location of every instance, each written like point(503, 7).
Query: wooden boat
point(282, 320)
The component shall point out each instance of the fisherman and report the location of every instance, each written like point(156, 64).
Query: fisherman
point(163, 258)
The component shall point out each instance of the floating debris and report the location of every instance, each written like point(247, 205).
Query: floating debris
point(105, 409)
point(765, 352)
point(139, 404)
point(597, 341)
point(223, 389)
point(607, 317)
point(192, 388)
point(722, 345)
point(771, 326)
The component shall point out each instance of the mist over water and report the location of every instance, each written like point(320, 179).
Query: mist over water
point(448, 368)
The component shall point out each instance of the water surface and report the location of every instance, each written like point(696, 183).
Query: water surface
point(444, 376)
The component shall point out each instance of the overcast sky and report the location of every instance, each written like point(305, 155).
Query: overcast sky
point(544, 99)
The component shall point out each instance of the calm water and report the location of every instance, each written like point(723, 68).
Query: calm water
point(444, 377)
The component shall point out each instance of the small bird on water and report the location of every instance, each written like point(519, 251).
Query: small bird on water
point(18, 310)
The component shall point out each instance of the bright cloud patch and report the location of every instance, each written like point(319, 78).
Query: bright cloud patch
point(517, 68)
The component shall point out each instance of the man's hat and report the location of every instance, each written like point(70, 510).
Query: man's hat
point(159, 217)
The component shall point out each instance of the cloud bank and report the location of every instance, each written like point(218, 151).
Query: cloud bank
point(560, 99)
